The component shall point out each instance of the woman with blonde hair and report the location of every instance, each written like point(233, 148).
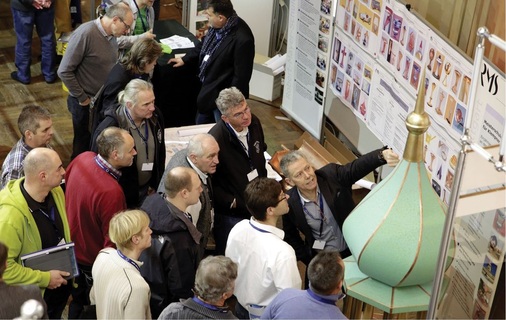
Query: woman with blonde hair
point(119, 291)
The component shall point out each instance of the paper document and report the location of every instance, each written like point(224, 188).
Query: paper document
point(178, 42)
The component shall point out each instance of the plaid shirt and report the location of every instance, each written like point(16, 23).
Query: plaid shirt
point(12, 167)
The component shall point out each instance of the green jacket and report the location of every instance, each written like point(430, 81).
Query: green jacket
point(19, 232)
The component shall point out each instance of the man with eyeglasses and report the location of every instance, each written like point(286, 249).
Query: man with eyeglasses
point(267, 264)
point(241, 140)
point(91, 53)
point(321, 200)
point(326, 274)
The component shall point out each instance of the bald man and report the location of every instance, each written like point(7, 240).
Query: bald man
point(33, 217)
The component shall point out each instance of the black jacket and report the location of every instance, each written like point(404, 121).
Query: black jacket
point(171, 262)
point(335, 182)
point(231, 176)
point(129, 180)
point(231, 65)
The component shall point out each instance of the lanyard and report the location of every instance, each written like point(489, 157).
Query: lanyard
point(321, 299)
point(322, 214)
point(232, 131)
point(51, 217)
point(127, 259)
point(258, 229)
point(105, 168)
point(140, 16)
point(145, 139)
point(207, 305)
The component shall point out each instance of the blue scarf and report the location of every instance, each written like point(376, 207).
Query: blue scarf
point(212, 41)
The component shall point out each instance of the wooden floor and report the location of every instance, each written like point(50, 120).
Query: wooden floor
point(14, 95)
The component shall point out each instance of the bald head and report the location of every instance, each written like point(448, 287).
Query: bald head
point(43, 165)
point(178, 179)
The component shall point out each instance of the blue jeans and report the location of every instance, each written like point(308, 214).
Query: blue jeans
point(211, 117)
point(222, 226)
point(23, 26)
point(80, 120)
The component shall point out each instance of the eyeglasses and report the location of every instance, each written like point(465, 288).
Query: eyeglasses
point(280, 200)
point(240, 115)
point(127, 27)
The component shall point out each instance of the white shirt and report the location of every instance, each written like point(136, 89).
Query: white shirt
point(266, 263)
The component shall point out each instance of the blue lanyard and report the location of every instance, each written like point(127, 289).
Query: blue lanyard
point(145, 139)
point(105, 168)
point(232, 131)
point(127, 259)
point(258, 229)
point(321, 299)
point(322, 214)
point(207, 305)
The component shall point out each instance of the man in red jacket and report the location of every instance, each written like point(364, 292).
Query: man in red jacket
point(93, 196)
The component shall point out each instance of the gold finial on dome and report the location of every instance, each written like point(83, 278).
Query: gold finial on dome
point(417, 122)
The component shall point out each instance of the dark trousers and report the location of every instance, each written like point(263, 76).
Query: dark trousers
point(222, 226)
point(23, 26)
point(56, 300)
point(80, 120)
point(81, 293)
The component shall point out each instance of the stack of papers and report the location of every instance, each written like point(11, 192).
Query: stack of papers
point(178, 42)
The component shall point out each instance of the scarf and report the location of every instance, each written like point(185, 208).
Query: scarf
point(212, 41)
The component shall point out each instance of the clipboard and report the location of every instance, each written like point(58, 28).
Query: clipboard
point(61, 257)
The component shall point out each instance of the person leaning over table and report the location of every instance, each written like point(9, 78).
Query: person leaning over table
point(225, 58)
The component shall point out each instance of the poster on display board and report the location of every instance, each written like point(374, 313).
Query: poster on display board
point(310, 28)
point(387, 88)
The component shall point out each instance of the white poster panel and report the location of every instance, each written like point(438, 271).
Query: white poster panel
point(477, 259)
point(308, 62)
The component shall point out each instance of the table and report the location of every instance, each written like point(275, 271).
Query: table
point(175, 89)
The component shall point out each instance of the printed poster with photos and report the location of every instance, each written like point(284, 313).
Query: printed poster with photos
point(360, 19)
point(308, 61)
point(351, 72)
point(448, 80)
point(473, 275)
point(403, 45)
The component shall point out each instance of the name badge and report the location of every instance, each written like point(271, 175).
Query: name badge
point(147, 166)
point(206, 57)
point(252, 175)
point(319, 245)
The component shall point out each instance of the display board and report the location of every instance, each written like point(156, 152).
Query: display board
point(479, 230)
point(310, 26)
point(379, 54)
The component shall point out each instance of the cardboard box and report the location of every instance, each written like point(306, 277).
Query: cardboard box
point(264, 83)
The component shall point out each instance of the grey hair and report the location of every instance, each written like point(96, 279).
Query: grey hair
point(288, 159)
point(197, 144)
point(215, 276)
point(119, 10)
point(129, 94)
point(229, 98)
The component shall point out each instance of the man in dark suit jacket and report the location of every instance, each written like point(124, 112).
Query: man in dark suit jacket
point(321, 200)
point(202, 156)
point(241, 139)
point(225, 58)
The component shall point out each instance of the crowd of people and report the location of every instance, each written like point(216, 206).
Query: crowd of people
point(141, 228)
